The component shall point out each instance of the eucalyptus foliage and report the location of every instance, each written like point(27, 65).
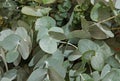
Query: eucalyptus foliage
point(59, 40)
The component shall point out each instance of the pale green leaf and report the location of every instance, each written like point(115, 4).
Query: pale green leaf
point(10, 42)
point(96, 76)
point(94, 12)
point(112, 76)
point(48, 1)
point(24, 49)
point(41, 33)
point(5, 79)
point(54, 76)
point(117, 4)
point(79, 34)
point(74, 55)
point(85, 45)
point(106, 69)
point(88, 55)
point(11, 56)
point(97, 61)
point(5, 33)
point(11, 74)
point(48, 44)
point(37, 75)
point(45, 21)
point(57, 33)
point(35, 11)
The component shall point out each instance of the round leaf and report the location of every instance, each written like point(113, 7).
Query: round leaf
point(5, 33)
point(54, 76)
point(10, 42)
point(57, 33)
point(79, 34)
point(24, 49)
point(97, 61)
point(85, 45)
point(45, 21)
point(11, 56)
point(112, 76)
point(48, 44)
point(37, 75)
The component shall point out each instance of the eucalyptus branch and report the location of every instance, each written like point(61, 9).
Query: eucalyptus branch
point(116, 28)
point(105, 20)
point(3, 58)
point(69, 44)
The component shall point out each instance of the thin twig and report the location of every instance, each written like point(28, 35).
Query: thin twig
point(116, 28)
point(69, 44)
point(104, 20)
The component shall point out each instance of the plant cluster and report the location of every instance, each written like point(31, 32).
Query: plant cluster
point(59, 40)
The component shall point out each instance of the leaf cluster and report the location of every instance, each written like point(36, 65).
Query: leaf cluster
point(59, 40)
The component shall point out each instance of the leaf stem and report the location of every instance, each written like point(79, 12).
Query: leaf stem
point(104, 20)
point(69, 44)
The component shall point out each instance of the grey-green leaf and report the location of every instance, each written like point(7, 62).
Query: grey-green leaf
point(54, 76)
point(45, 21)
point(10, 42)
point(112, 76)
point(86, 45)
point(24, 49)
point(37, 75)
point(79, 34)
point(11, 56)
point(57, 33)
point(106, 69)
point(97, 61)
point(48, 44)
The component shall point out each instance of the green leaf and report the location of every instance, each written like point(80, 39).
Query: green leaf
point(24, 24)
point(5, 33)
point(48, 44)
point(86, 77)
point(85, 45)
point(57, 33)
point(42, 33)
point(10, 42)
point(36, 57)
point(79, 34)
point(97, 61)
point(94, 12)
point(100, 32)
point(37, 75)
point(117, 4)
point(96, 76)
point(11, 74)
point(45, 21)
point(56, 62)
point(113, 75)
point(85, 24)
point(106, 69)
point(96, 33)
point(97, 12)
point(54, 76)
point(34, 11)
point(105, 29)
point(5, 79)
point(24, 49)
point(113, 62)
point(106, 50)
point(21, 32)
point(74, 55)
point(88, 55)
point(11, 56)
point(48, 1)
